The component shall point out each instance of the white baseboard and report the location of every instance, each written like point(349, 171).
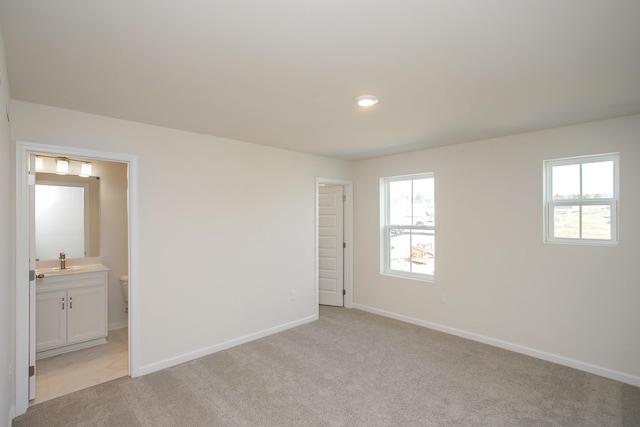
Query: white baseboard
point(69, 348)
point(118, 325)
point(157, 366)
point(549, 357)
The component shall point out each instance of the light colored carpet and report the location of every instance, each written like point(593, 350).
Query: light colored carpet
point(352, 368)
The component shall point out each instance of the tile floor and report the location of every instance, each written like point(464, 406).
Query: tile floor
point(66, 373)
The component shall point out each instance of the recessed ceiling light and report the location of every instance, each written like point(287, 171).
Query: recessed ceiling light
point(366, 100)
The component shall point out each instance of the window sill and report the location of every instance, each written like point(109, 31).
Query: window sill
point(411, 276)
point(582, 242)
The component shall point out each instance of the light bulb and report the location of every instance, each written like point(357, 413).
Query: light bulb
point(85, 170)
point(62, 166)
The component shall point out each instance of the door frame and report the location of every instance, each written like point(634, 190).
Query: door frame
point(21, 290)
point(348, 238)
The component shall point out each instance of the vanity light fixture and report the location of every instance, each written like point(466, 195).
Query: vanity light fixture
point(62, 166)
point(85, 169)
point(366, 100)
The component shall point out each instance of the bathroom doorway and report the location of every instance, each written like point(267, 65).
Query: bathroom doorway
point(84, 217)
point(118, 227)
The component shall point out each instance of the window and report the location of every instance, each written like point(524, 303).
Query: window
point(581, 198)
point(408, 224)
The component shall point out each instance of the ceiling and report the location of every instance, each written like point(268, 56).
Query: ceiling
point(284, 73)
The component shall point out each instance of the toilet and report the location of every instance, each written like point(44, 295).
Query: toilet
point(124, 284)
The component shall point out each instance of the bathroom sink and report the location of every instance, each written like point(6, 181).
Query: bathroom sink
point(57, 271)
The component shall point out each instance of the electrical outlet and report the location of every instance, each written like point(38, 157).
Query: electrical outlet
point(444, 298)
point(292, 295)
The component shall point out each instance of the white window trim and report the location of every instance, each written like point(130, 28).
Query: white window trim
point(549, 203)
point(385, 253)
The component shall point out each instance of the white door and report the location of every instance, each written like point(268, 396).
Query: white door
point(32, 279)
point(331, 245)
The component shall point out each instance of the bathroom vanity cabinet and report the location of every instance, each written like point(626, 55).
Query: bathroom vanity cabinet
point(71, 311)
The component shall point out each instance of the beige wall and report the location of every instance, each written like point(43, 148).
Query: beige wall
point(6, 253)
point(226, 229)
point(113, 233)
point(503, 282)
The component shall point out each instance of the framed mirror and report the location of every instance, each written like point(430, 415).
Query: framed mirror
point(67, 216)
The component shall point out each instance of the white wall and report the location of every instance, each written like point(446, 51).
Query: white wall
point(504, 283)
point(7, 346)
point(226, 227)
point(113, 233)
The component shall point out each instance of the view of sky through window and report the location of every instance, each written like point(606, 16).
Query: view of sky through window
point(596, 177)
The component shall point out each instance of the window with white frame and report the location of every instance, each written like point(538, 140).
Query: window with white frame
point(408, 224)
point(581, 200)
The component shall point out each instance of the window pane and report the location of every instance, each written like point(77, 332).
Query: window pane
point(565, 182)
point(588, 186)
point(400, 203)
point(597, 180)
point(566, 222)
point(410, 209)
point(422, 251)
point(596, 222)
point(400, 251)
point(423, 195)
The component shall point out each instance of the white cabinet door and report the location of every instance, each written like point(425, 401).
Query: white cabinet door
point(87, 314)
point(51, 319)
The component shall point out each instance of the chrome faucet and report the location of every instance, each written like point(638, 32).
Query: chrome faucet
point(63, 261)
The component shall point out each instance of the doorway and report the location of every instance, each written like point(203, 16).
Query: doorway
point(334, 252)
point(25, 263)
point(84, 214)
